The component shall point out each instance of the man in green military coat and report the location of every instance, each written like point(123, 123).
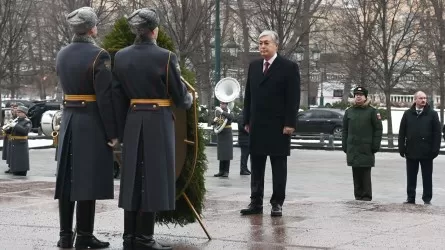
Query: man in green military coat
point(362, 135)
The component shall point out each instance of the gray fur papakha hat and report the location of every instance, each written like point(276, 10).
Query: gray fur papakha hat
point(143, 20)
point(23, 109)
point(82, 20)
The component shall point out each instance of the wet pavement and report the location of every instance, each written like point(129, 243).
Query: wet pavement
point(319, 212)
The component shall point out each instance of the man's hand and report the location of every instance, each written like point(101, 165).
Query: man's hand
point(288, 130)
point(402, 154)
point(113, 142)
point(247, 128)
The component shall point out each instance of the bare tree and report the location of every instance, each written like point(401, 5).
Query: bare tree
point(432, 48)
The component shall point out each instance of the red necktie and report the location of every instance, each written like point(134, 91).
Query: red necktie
point(266, 68)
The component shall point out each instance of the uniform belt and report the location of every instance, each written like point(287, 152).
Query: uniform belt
point(86, 98)
point(228, 126)
point(16, 137)
point(159, 102)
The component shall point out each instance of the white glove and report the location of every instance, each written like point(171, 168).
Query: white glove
point(219, 109)
point(13, 124)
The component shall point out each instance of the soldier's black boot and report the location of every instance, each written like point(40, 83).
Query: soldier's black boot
point(85, 225)
point(66, 213)
point(129, 229)
point(221, 169)
point(144, 234)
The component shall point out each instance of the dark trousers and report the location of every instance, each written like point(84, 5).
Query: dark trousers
point(279, 178)
point(85, 211)
point(362, 183)
point(412, 168)
point(224, 166)
point(244, 158)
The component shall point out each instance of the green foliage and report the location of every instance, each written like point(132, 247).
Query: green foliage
point(191, 180)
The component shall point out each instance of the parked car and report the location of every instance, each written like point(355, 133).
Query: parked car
point(320, 120)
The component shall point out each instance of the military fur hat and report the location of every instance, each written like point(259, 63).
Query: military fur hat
point(82, 20)
point(23, 109)
point(143, 20)
point(361, 90)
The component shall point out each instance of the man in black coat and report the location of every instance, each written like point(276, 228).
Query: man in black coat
point(147, 84)
point(271, 102)
point(87, 132)
point(419, 142)
point(243, 142)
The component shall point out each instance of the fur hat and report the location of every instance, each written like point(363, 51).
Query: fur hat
point(23, 109)
point(143, 20)
point(82, 20)
point(361, 90)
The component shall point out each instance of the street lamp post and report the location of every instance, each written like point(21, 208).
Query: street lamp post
point(217, 49)
point(315, 56)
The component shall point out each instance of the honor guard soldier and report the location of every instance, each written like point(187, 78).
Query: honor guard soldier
point(225, 141)
point(87, 132)
point(362, 135)
point(147, 83)
point(6, 135)
point(18, 152)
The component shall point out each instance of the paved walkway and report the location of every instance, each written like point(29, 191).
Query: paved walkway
point(319, 212)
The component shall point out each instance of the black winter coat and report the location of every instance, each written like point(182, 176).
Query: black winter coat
point(420, 135)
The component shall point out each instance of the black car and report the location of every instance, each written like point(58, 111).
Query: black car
point(319, 120)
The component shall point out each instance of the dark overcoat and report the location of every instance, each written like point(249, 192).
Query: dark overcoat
point(146, 71)
point(271, 102)
point(18, 148)
point(362, 135)
point(420, 135)
point(225, 139)
point(82, 68)
point(243, 136)
point(5, 147)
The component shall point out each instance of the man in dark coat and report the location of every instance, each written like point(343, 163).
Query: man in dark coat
point(87, 133)
point(225, 141)
point(361, 138)
point(18, 143)
point(6, 144)
point(419, 142)
point(271, 102)
point(243, 142)
point(147, 83)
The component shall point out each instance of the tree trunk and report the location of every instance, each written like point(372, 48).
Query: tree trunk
point(389, 118)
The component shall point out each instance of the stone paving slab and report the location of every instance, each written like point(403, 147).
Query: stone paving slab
point(319, 212)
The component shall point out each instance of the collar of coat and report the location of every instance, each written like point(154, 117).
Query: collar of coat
point(144, 40)
point(83, 39)
point(364, 105)
point(425, 109)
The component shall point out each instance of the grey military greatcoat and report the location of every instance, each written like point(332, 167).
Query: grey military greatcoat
point(225, 139)
point(18, 147)
point(140, 72)
point(86, 127)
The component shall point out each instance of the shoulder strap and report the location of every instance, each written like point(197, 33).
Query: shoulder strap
point(94, 62)
point(168, 66)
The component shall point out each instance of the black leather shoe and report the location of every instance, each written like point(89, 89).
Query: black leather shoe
point(252, 209)
point(65, 241)
point(409, 202)
point(8, 171)
point(366, 199)
point(90, 242)
point(218, 174)
point(225, 174)
point(245, 172)
point(276, 210)
point(427, 202)
point(144, 242)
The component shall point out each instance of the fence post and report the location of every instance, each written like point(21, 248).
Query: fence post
point(321, 138)
point(331, 142)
